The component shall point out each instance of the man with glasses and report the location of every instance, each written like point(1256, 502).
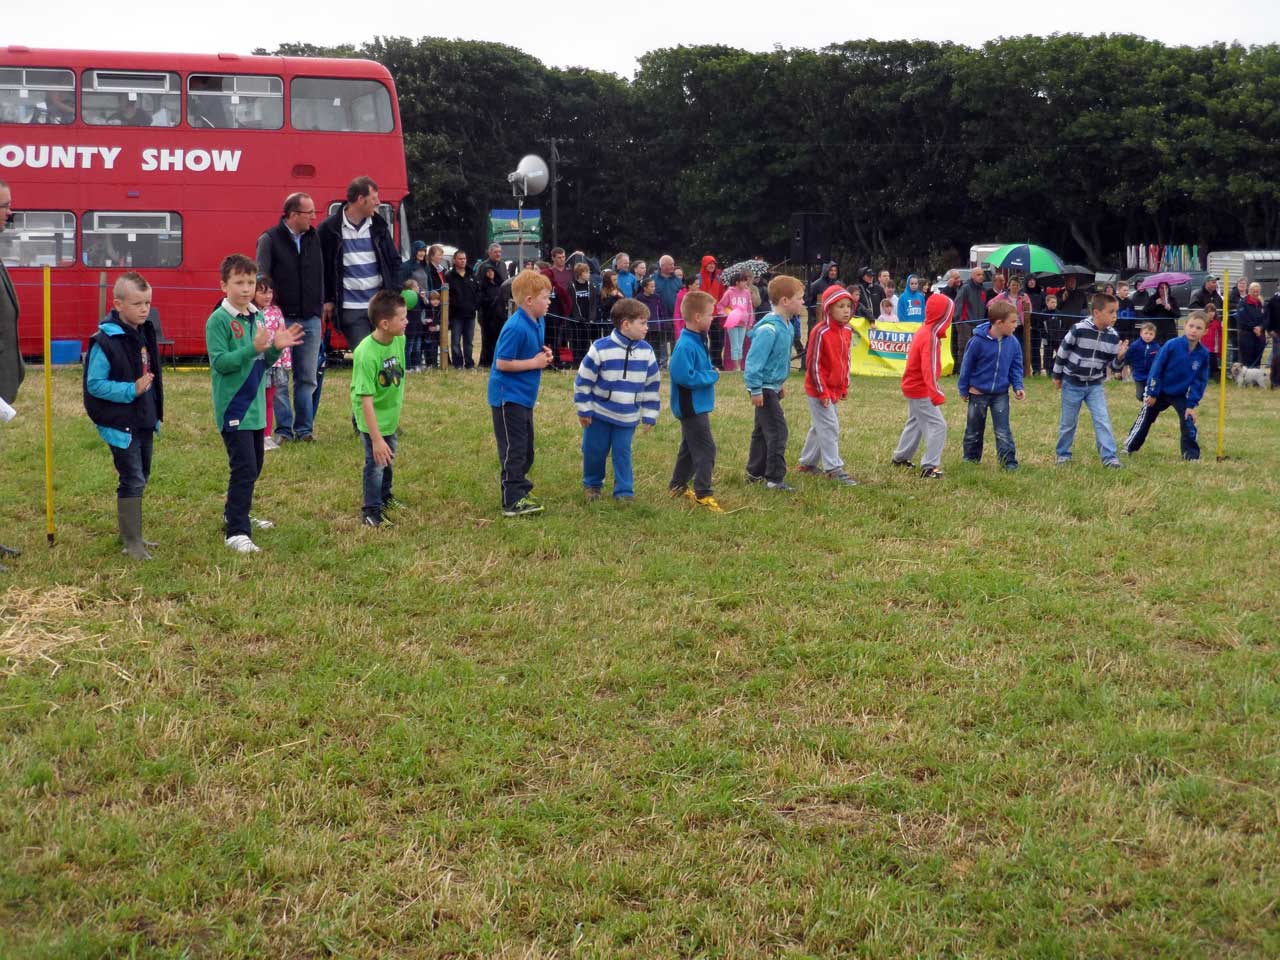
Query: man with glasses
point(11, 369)
point(289, 253)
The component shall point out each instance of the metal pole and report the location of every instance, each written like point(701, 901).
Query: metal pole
point(48, 405)
point(519, 234)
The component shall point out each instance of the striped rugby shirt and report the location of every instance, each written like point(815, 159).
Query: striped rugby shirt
point(1086, 353)
point(361, 278)
point(618, 382)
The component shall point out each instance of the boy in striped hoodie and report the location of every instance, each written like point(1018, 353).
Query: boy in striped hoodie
point(1088, 351)
point(920, 386)
point(240, 350)
point(615, 391)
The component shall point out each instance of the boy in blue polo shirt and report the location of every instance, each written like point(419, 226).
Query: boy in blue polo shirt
point(519, 358)
point(1177, 379)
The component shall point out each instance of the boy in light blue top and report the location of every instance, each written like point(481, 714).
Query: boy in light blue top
point(615, 391)
point(765, 375)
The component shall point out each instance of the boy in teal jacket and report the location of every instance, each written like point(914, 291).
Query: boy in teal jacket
point(241, 350)
point(768, 365)
point(693, 397)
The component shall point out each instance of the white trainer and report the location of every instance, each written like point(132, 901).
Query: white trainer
point(240, 543)
point(258, 524)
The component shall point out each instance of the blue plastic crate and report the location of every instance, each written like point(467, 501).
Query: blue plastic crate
point(64, 351)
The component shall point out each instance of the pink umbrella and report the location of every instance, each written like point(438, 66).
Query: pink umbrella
point(1172, 279)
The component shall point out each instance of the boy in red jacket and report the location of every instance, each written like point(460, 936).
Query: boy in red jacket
point(826, 383)
point(924, 397)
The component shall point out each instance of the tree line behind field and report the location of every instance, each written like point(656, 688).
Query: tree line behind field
point(917, 149)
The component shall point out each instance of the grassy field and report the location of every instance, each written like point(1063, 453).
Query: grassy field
point(999, 715)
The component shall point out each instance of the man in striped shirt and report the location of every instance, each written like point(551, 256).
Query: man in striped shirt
point(1088, 351)
point(360, 258)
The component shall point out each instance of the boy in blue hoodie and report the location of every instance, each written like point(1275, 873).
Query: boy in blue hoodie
point(1177, 379)
point(765, 376)
point(1140, 357)
point(124, 397)
point(992, 365)
point(693, 397)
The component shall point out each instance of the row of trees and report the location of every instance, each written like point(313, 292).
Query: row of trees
point(917, 149)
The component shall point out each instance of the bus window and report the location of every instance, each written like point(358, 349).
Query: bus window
point(130, 239)
point(321, 103)
point(255, 103)
point(127, 99)
point(384, 210)
point(39, 238)
point(37, 96)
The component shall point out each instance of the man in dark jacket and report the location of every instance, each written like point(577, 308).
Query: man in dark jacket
point(11, 369)
point(1072, 300)
point(289, 253)
point(971, 310)
point(464, 300)
point(1207, 294)
point(493, 258)
point(360, 258)
point(830, 277)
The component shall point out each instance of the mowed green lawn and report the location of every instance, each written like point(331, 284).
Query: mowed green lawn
point(1000, 715)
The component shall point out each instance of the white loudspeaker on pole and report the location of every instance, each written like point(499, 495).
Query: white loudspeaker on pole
point(529, 179)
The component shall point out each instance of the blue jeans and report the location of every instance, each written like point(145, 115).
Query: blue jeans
point(598, 441)
point(975, 427)
point(133, 464)
point(306, 360)
point(377, 479)
point(1095, 398)
point(278, 377)
point(737, 341)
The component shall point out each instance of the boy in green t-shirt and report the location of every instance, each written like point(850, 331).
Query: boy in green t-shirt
point(377, 397)
point(241, 349)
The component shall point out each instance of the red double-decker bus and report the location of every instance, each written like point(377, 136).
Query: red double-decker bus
point(166, 163)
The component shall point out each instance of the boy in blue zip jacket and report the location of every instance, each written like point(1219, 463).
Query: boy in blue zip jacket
point(765, 375)
point(1140, 357)
point(992, 364)
point(615, 391)
point(1177, 379)
point(693, 397)
point(124, 397)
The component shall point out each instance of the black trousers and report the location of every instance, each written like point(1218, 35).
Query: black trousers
point(244, 453)
point(1147, 417)
point(462, 333)
point(768, 455)
point(716, 343)
point(490, 327)
point(133, 464)
point(697, 456)
point(513, 428)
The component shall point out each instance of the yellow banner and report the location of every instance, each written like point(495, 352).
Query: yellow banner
point(880, 349)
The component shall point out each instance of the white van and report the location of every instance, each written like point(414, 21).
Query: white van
point(1260, 266)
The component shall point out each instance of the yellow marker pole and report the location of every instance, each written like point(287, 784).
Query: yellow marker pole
point(1222, 364)
point(48, 406)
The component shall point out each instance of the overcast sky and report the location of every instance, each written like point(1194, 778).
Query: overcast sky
point(611, 36)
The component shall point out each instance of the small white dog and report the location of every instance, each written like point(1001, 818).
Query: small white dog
point(1250, 376)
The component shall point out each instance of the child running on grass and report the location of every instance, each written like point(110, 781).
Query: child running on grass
point(519, 358)
point(693, 397)
point(377, 398)
point(826, 383)
point(765, 375)
point(615, 391)
point(920, 386)
point(1178, 379)
point(240, 351)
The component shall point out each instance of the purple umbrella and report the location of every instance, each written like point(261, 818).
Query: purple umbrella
point(1172, 279)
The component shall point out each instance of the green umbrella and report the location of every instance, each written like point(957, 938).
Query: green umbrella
point(1025, 258)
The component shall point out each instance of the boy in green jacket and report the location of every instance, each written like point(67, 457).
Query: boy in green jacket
point(241, 350)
